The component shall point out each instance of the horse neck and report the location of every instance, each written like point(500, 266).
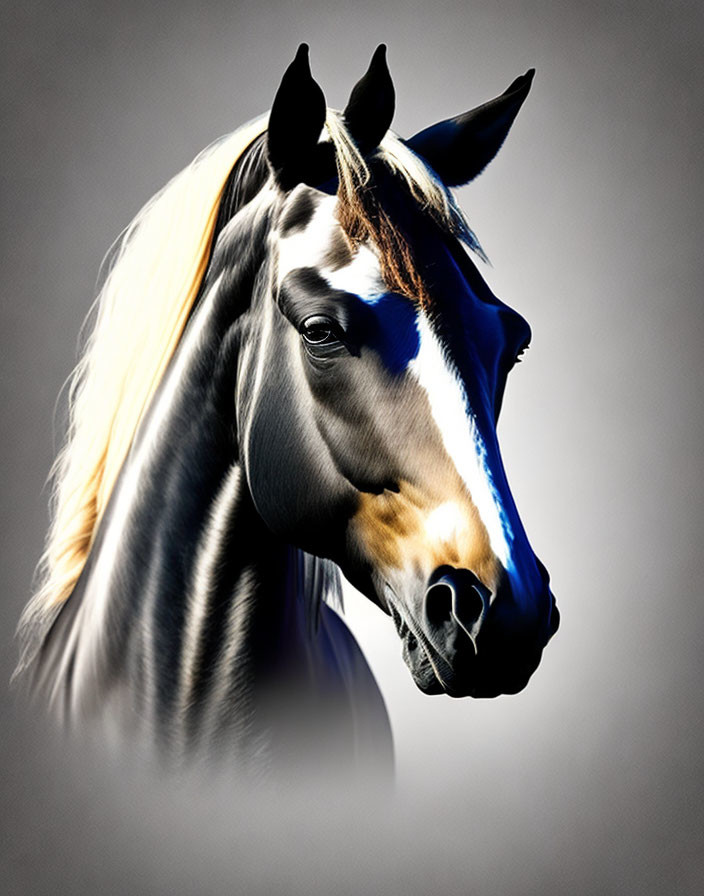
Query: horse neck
point(187, 606)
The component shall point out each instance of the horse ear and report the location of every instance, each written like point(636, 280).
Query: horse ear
point(295, 123)
point(370, 108)
point(460, 148)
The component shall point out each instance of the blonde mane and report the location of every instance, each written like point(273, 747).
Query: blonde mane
point(153, 281)
point(156, 270)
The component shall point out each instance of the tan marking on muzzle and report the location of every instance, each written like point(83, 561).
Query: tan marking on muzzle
point(419, 529)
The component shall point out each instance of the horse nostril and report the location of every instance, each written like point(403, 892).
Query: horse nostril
point(438, 603)
point(456, 601)
point(469, 608)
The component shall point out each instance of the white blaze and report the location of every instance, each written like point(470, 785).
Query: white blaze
point(461, 438)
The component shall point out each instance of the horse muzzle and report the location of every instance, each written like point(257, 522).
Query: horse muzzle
point(468, 641)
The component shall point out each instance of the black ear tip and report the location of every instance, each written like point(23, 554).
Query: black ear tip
point(521, 85)
point(378, 64)
point(301, 60)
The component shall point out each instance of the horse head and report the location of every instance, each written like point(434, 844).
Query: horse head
point(371, 378)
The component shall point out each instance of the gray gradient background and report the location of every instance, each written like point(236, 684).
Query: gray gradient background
point(591, 780)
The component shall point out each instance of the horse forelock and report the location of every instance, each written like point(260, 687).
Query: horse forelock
point(364, 214)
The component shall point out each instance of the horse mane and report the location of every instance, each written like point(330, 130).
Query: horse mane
point(154, 276)
point(151, 279)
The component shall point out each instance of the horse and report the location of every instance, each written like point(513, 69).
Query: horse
point(295, 372)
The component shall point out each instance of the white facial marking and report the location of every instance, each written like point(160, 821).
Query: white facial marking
point(446, 522)
point(309, 248)
point(462, 441)
point(362, 276)
point(306, 248)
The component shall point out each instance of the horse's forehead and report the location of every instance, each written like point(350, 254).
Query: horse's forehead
point(299, 209)
point(311, 236)
point(309, 230)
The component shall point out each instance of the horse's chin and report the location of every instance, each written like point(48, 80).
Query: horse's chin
point(426, 680)
point(473, 678)
point(430, 680)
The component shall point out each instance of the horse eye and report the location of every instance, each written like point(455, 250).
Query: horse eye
point(319, 330)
